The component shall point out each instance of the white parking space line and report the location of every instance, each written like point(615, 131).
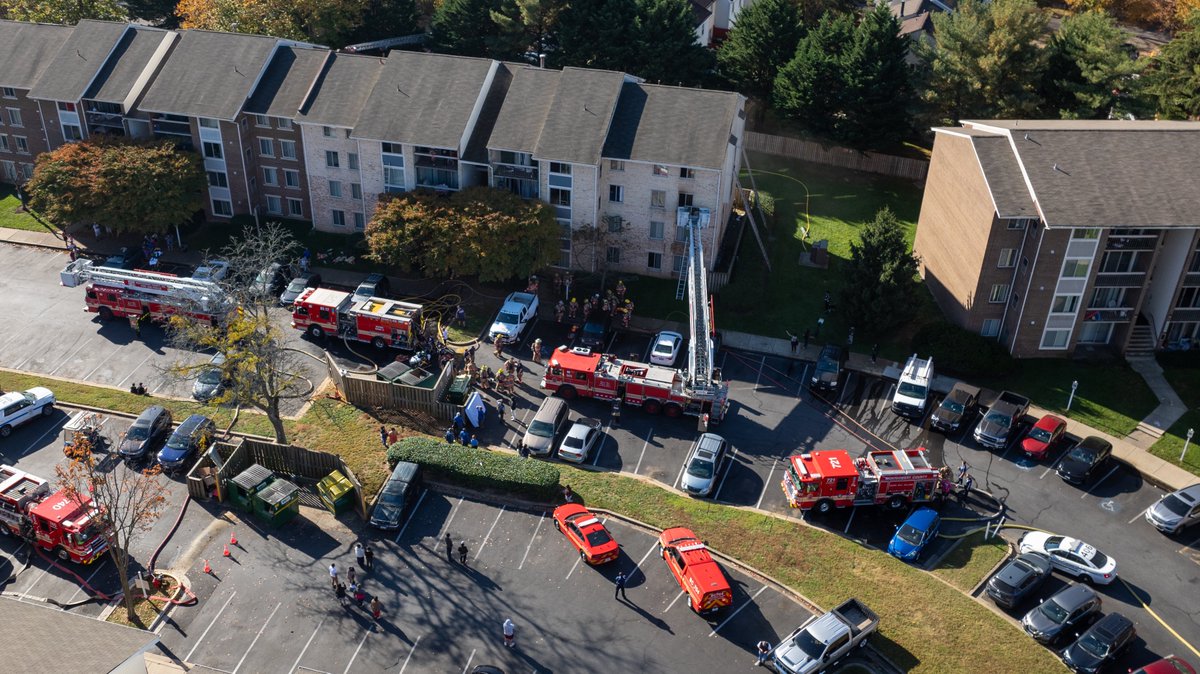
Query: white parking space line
point(1054, 465)
point(845, 387)
point(256, 637)
point(410, 516)
point(489, 534)
point(803, 378)
point(134, 370)
point(767, 483)
point(677, 597)
point(531, 540)
point(1012, 444)
point(760, 369)
point(468, 665)
point(53, 429)
point(70, 355)
point(413, 650)
point(1140, 514)
point(1097, 484)
point(306, 645)
point(728, 469)
point(453, 512)
point(739, 610)
point(603, 440)
point(645, 444)
point(29, 590)
point(643, 559)
point(366, 633)
point(1184, 550)
point(210, 626)
point(578, 559)
point(85, 582)
point(850, 521)
point(679, 477)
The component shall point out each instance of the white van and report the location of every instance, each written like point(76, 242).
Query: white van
point(914, 388)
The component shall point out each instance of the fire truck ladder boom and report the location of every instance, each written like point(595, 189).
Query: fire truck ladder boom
point(148, 282)
point(699, 374)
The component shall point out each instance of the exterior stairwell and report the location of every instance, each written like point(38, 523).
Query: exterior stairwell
point(1141, 343)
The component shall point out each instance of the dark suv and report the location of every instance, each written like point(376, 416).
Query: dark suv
point(1111, 636)
point(375, 285)
point(1070, 608)
point(829, 368)
point(195, 433)
point(1017, 579)
point(153, 423)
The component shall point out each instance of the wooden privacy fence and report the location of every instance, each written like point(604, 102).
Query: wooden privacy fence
point(833, 155)
point(367, 390)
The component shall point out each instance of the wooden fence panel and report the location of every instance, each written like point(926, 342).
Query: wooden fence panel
point(804, 150)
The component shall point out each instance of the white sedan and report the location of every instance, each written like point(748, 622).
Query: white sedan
point(213, 270)
point(518, 311)
point(579, 441)
point(666, 348)
point(1072, 557)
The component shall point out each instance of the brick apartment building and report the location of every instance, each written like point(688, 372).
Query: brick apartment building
point(1055, 236)
point(293, 130)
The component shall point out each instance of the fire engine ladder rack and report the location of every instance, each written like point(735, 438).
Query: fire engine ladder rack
point(695, 281)
point(151, 283)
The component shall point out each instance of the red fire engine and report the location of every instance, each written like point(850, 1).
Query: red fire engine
point(122, 293)
point(52, 521)
point(828, 479)
point(577, 372)
point(323, 312)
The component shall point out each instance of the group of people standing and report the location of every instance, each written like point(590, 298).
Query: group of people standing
point(354, 591)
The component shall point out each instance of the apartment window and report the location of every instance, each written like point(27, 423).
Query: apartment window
point(295, 207)
point(3, 143)
point(1118, 262)
point(9, 92)
point(284, 123)
point(1075, 269)
point(999, 293)
point(287, 149)
point(560, 168)
point(1108, 298)
point(658, 199)
point(654, 261)
point(1195, 264)
point(274, 204)
point(616, 165)
point(685, 199)
point(212, 150)
point(559, 197)
point(72, 132)
point(614, 224)
point(291, 178)
point(266, 148)
point(687, 173)
point(208, 123)
point(66, 107)
point(1008, 258)
point(616, 193)
point(14, 117)
point(331, 159)
point(22, 144)
point(681, 234)
point(355, 191)
point(1064, 304)
point(327, 131)
point(360, 221)
point(660, 170)
point(27, 171)
point(8, 171)
point(218, 179)
point(1092, 233)
point(1189, 298)
point(613, 255)
point(339, 218)
point(270, 175)
point(352, 160)
point(1055, 339)
point(656, 231)
point(678, 264)
point(335, 189)
point(262, 120)
point(1018, 223)
point(991, 327)
point(222, 207)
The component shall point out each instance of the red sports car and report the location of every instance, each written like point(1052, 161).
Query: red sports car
point(1046, 433)
point(586, 533)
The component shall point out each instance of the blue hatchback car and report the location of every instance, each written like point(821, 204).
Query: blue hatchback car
point(918, 530)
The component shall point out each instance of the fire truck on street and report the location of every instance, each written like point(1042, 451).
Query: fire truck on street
point(322, 312)
point(831, 478)
point(123, 293)
point(52, 521)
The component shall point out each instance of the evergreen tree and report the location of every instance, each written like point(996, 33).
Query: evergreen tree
point(464, 27)
point(762, 42)
point(1088, 71)
point(1173, 81)
point(877, 89)
point(526, 25)
point(596, 34)
point(880, 276)
point(383, 19)
point(810, 87)
point(666, 50)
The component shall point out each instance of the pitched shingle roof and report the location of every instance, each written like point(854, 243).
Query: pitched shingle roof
point(580, 115)
point(1100, 173)
point(477, 145)
point(523, 112)
point(282, 89)
point(423, 99)
point(1003, 174)
point(116, 80)
point(341, 89)
point(79, 58)
point(26, 50)
point(672, 125)
point(209, 74)
point(33, 638)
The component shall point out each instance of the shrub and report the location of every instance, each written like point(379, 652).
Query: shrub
point(477, 468)
point(766, 202)
point(962, 352)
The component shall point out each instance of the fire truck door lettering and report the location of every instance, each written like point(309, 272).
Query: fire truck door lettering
point(60, 505)
point(833, 461)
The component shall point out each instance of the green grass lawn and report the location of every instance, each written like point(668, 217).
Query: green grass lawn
point(971, 561)
point(1183, 372)
point(11, 216)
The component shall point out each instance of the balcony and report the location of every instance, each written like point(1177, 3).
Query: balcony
point(1185, 314)
point(105, 119)
point(517, 172)
point(443, 163)
point(165, 127)
point(1109, 314)
point(1134, 279)
point(1145, 242)
point(437, 179)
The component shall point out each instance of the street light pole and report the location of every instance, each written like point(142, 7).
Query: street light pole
point(1074, 385)
point(1191, 432)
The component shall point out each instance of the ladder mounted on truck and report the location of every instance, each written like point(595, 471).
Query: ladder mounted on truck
point(144, 282)
point(694, 282)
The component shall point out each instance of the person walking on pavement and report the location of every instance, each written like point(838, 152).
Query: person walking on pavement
point(967, 485)
point(350, 574)
point(619, 589)
point(383, 436)
point(340, 591)
point(498, 342)
point(806, 335)
point(376, 611)
point(449, 548)
point(510, 633)
point(369, 554)
point(357, 594)
point(500, 408)
point(462, 552)
point(764, 650)
point(393, 437)
point(962, 472)
point(795, 341)
point(874, 352)
point(333, 575)
point(360, 556)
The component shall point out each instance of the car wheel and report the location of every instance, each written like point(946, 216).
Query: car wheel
point(824, 506)
point(652, 407)
point(1085, 578)
point(316, 332)
point(672, 410)
point(557, 526)
point(378, 343)
point(48, 410)
point(662, 552)
point(5, 431)
point(105, 314)
point(63, 554)
point(583, 556)
point(567, 392)
point(896, 502)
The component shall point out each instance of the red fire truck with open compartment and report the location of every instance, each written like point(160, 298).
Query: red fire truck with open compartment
point(123, 293)
point(323, 312)
point(831, 478)
point(52, 521)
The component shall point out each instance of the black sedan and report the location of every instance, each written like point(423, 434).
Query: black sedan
point(1082, 463)
point(297, 287)
point(1108, 638)
point(1019, 578)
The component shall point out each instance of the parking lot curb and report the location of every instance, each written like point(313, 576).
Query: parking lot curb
point(979, 586)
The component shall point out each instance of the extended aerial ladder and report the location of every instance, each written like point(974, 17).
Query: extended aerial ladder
point(701, 382)
point(151, 284)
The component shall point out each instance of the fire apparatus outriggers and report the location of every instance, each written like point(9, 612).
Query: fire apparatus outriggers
point(324, 312)
point(831, 478)
point(52, 521)
point(124, 293)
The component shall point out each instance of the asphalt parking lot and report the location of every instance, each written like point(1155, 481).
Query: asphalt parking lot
point(441, 616)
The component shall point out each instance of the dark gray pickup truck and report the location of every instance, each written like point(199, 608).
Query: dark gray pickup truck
point(1002, 417)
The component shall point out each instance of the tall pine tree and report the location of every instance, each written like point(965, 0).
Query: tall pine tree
point(762, 41)
point(652, 39)
point(880, 276)
point(877, 85)
point(1088, 72)
point(810, 87)
point(1174, 78)
point(596, 34)
point(464, 27)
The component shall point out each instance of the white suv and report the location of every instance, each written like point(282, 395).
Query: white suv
point(16, 408)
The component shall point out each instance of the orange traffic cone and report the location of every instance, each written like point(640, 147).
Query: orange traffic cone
point(207, 568)
point(226, 553)
point(232, 538)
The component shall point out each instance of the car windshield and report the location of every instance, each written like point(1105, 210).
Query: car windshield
point(1053, 611)
point(392, 496)
point(542, 429)
point(952, 406)
point(998, 419)
point(507, 317)
point(210, 376)
point(138, 433)
point(664, 347)
point(1040, 434)
point(1084, 454)
point(1099, 559)
point(911, 390)
point(177, 443)
point(1002, 585)
point(1094, 645)
point(909, 534)
point(700, 468)
point(598, 537)
point(594, 328)
point(811, 647)
point(29, 397)
point(831, 365)
point(296, 286)
point(572, 442)
point(1176, 505)
point(264, 277)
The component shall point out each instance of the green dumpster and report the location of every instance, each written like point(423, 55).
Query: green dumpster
point(457, 392)
point(278, 503)
point(336, 492)
point(247, 483)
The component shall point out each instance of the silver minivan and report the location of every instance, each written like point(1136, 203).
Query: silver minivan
point(546, 424)
point(1176, 510)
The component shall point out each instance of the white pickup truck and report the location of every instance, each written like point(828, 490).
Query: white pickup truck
point(824, 639)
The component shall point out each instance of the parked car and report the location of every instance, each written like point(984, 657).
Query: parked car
point(213, 270)
point(915, 534)
point(18, 407)
point(397, 494)
point(1071, 607)
point(298, 285)
point(374, 285)
point(518, 311)
point(704, 464)
point(595, 331)
point(666, 348)
point(1044, 435)
point(829, 368)
point(270, 280)
point(195, 433)
point(1072, 557)
point(697, 573)
point(1103, 643)
point(579, 441)
point(1019, 578)
point(153, 424)
point(1176, 511)
point(212, 380)
point(587, 533)
point(1084, 460)
point(130, 257)
point(956, 409)
point(1168, 665)
point(547, 422)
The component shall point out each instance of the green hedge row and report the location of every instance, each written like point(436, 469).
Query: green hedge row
point(962, 352)
point(478, 468)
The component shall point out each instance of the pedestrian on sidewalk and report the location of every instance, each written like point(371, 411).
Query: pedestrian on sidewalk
point(510, 633)
point(449, 548)
point(340, 591)
point(806, 335)
point(383, 436)
point(357, 593)
point(764, 650)
point(850, 337)
point(393, 437)
point(333, 575)
point(376, 611)
point(620, 581)
point(369, 554)
point(462, 552)
point(967, 485)
point(351, 574)
point(360, 556)
point(962, 472)
point(795, 341)
point(874, 352)
point(500, 409)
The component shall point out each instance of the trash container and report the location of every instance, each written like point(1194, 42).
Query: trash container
point(336, 492)
point(456, 393)
point(278, 503)
point(246, 484)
